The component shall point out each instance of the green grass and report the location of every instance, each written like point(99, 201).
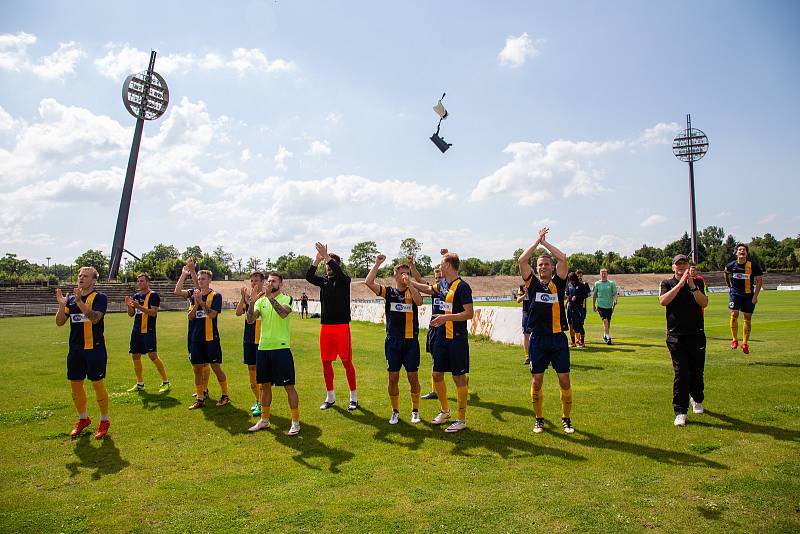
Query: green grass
point(626, 469)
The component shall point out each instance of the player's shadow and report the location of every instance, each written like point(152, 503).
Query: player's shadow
point(777, 364)
point(616, 347)
point(584, 367)
point(588, 439)
point(229, 418)
point(308, 445)
point(637, 344)
point(103, 460)
point(731, 423)
point(152, 401)
point(496, 409)
point(463, 442)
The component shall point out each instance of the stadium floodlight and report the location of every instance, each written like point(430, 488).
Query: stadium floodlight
point(440, 143)
point(146, 97)
point(689, 146)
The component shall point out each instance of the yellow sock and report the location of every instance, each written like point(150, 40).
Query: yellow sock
point(162, 370)
point(265, 412)
point(566, 402)
point(101, 395)
point(295, 414)
point(734, 328)
point(461, 394)
point(137, 368)
point(746, 332)
point(441, 391)
point(79, 396)
point(254, 385)
point(415, 400)
point(200, 390)
point(206, 375)
point(537, 398)
point(395, 401)
point(224, 386)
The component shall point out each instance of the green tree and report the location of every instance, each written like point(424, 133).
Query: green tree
point(253, 264)
point(192, 252)
point(96, 259)
point(711, 236)
point(410, 247)
point(362, 257)
point(584, 262)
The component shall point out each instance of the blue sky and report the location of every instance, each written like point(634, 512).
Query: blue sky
point(292, 122)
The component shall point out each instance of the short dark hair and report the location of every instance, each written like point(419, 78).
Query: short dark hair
point(746, 248)
point(146, 276)
point(579, 272)
point(548, 256)
point(572, 277)
point(276, 274)
point(335, 257)
point(257, 273)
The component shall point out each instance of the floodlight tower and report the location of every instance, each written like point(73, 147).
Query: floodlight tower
point(689, 146)
point(146, 96)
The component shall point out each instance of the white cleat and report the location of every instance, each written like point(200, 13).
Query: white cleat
point(696, 406)
point(294, 429)
point(680, 419)
point(327, 404)
point(415, 417)
point(395, 418)
point(262, 424)
point(457, 425)
point(440, 418)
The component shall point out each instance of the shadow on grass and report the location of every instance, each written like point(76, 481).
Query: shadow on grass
point(583, 367)
point(731, 423)
point(777, 364)
point(307, 444)
point(229, 418)
point(102, 460)
point(637, 344)
point(151, 401)
point(588, 439)
point(606, 348)
point(497, 410)
point(413, 436)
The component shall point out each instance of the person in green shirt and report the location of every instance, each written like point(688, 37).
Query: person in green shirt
point(604, 299)
point(274, 361)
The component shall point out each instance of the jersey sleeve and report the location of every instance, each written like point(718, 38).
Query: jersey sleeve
point(527, 281)
point(381, 292)
point(664, 287)
point(100, 303)
point(155, 300)
point(466, 294)
point(728, 268)
point(216, 303)
point(700, 285)
point(757, 271)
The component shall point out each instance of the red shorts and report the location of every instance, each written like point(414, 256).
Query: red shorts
point(334, 340)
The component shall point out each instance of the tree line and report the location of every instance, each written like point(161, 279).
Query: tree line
point(166, 261)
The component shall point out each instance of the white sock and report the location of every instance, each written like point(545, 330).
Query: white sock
point(104, 418)
point(331, 397)
point(353, 397)
point(83, 415)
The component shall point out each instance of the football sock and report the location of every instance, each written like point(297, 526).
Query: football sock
point(746, 331)
point(415, 400)
point(330, 396)
point(566, 401)
point(537, 398)
point(265, 412)
point(734, 328)
point(461, 393)
point(350, 371)
point(206, 375)
point(201, 391)
point(162, 370)
point(137, 368)
point(353, 396)
point(295, 414)
point(79, 397)
point(441, 392)
point(101, 395)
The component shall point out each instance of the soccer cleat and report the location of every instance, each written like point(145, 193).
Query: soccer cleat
point(102, 430)
point(327, 404)
point(294, 429)
point(441, 417)
point(430, 395)
point(680, 419)
point(199, 403)
point(566, 424)
point(352, 405)
point(696, 406)
point(165, 387)
point(608, 341)
point(79, 426)
point(538, 425)
point(223, 400)
point(395, 418)
point(734, 344)
point(458, 424)
point(527, 361)
point(256, 409)
point(136, 387)
point(581, 343)
point(260, 425)
point(204, 393)
point(745, 348)
point(415, 417)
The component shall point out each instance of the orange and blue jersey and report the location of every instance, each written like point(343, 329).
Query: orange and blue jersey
point(546, 313)
point(82, 333)
point(143, 323)
point(743, 276)
point(452, 299)
point(205, 327)
point(252, 332)
point(402, 315)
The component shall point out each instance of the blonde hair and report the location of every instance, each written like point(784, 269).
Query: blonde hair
point(205, 272)
point(91, 270)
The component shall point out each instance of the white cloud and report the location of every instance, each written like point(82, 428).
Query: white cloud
point(333, 118)
point(517, 50)
point(14, 57)
point(280, 158)
point(546, 221)
point(768, 218)
point(724, 214)
point(653, 220)
point(318, 148)
point(245, 156)
point(7, 122)
point(122, 59)
point(582, 242)
point(661, 134)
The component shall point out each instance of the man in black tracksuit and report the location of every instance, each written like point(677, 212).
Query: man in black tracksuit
point(685, 298)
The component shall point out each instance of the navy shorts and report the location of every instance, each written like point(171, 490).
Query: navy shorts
point(605, 313)
point(526, 329)
point(549, 349)
point(401, 352)
point(87, 363)
point(742, 302)
point(275, 367)
point(451, 355)
point(250, 350)
point(204, 352)
point(142, 343)
point(430, 339)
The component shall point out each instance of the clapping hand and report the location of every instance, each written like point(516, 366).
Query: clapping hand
point(60, 298)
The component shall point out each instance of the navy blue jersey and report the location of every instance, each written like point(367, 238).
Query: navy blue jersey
point(143, 323)
point(82, 333)
point(252, 332)
point(743, 276)
point(581, 292)
point(402, 315)
point(452, 301)
point(205, 328)
point(546, 314)
point(526, 302)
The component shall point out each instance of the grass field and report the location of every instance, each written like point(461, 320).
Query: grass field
point(626, 469)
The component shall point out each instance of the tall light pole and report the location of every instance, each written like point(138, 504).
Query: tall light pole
point(146, 97)
point(689, 146)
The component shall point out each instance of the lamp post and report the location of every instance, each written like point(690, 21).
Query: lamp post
point(689, 146)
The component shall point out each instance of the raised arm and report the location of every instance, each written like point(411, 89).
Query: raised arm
point(311, 274)
point(370, 280)
point(414, 272)
point(242, 305)
point(562, 264)
point(524, 260)
point(415, 294)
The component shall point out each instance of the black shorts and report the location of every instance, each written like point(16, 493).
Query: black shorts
point(451, 355)
point(204, 352)
point(526, 329)
point(87, 363)
point(401, 352)
point(605, 313)
point(549, 349)
point(142, 343)
point(741, 302)
point(275, 367)
point(430, 339)
point(250, 353)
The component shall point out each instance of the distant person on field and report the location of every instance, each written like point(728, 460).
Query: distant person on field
point(604, 300)
point(744, 278)
point(87, 355)
point(304, 306)
point(143, 307)
point(684, 299)
point(522, 297)
point(576, 294)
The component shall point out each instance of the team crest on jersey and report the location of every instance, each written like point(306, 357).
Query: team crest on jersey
point(400, 307)
point(546, 298)
point(78, 318)
point(740, 276)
